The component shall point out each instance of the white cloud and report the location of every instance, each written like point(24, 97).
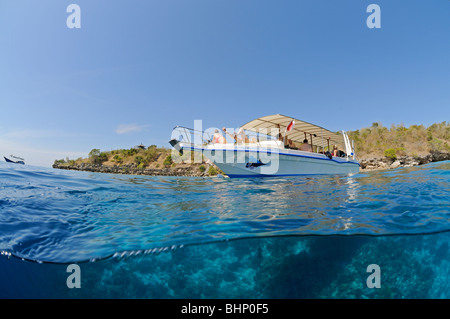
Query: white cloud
point(128, 128)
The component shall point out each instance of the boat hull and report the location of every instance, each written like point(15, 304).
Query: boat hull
point(15, 162)
point(260, 162)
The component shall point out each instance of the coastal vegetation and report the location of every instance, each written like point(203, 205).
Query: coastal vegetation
point(398, 140)
point(139, 158)
point(136, 156)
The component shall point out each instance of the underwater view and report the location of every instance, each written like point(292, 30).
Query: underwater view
point(216, 237)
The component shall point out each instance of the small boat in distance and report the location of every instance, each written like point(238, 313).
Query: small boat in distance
point(273, 145)
point(18, 160)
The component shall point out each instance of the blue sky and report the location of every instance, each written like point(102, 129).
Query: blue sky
point(135, 69)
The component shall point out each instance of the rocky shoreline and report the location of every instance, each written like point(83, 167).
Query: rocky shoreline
point(371, 164)
point(132, 169)
point(367, 164)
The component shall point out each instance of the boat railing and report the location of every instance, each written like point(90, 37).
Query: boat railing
point(192, 136)
point(202, 138)
point(198, 137)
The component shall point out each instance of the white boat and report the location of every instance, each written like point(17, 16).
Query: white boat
point(15, 160)
point(271, 146)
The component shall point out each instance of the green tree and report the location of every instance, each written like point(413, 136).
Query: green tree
point(94, 155)
point(95, 152)
point(57, 162)
point(103, 157)
point(390, 153)
point(117, 159)
point(138, 159)
point(212, 171)
point(168, 161)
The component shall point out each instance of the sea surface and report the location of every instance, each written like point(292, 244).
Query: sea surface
point(215, 237)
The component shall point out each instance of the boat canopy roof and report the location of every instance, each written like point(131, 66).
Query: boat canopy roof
point(271, 124)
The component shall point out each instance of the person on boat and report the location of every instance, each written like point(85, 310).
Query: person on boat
point(291, 145)
point(335, 151)
point(279, 136)
point(244, 137)
point(305, 146)
point(218, 138)
point(234, 136)
point(238, 137)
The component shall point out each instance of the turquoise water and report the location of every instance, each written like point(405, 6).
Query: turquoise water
point(187, 237)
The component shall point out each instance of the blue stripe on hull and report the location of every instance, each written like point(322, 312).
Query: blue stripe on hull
point(269, 152)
